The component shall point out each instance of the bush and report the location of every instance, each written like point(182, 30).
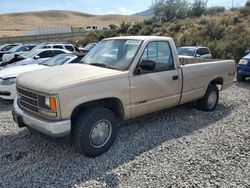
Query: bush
point(226, 35)
point(135, 28)
point(248, 3)
point(204, 20)
point(147, 30)
point(215, 10)
point(245, 11)
point(198, 8)
point(124, 28)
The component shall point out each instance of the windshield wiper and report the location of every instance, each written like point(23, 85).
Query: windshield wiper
point(102, 65)
point(44, 64)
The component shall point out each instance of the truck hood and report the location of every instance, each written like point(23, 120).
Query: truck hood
point(14, 71)
point(56, 78)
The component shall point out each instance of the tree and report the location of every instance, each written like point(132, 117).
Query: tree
point(124, 28)
point(198, 8)
point(248, 3)
point(169, 10)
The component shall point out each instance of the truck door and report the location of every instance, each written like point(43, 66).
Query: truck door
point(159, 88)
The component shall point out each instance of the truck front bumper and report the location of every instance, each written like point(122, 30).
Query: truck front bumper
point(53, 129)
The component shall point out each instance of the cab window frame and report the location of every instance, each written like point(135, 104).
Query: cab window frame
point(141, 72)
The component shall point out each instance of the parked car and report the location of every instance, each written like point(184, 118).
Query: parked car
point(36, 56)
point(87, 48)
point(8, 76)
point(194, 52)
point(84, 103)
point(5, 48)
point(12, 54)
point(58, 45)
point(243, 68)
point(55, 45)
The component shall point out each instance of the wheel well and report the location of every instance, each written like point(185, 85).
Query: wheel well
point(217, 81)
point(113, 104)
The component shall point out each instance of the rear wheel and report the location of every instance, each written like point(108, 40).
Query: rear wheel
point(210, 100)
point(94, 131)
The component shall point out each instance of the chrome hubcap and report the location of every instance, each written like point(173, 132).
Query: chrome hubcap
point(100, 133)
point(212, 98)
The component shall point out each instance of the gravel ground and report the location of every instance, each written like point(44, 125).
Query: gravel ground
point(180, 147)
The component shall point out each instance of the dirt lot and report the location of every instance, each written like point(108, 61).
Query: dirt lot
point(180, 147)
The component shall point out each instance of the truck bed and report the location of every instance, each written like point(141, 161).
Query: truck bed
point(187, 61)
point(197, 74)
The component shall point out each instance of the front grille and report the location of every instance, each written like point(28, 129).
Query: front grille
point(28, 100)
point(26, 93)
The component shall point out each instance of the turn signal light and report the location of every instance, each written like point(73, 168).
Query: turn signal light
point(52, 101)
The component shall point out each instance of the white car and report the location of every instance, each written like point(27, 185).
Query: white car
point(192, 52)
point(65, 46)
point(36, 56)
point(15, 51)
point(17, 56)
point(5, 48)
point(87, 48)
point(8, 76)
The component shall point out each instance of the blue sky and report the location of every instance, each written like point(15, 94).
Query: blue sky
point(92, 6)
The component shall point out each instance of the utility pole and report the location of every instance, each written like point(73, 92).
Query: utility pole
point(232, 3)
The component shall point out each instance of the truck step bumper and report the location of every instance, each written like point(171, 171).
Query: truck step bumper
point(54, 129)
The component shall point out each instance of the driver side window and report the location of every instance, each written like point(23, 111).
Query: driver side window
point(159, 52)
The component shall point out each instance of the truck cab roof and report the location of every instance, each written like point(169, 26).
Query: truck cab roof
point(140, 38)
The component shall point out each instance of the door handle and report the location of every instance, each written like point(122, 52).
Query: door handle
point(176, 77)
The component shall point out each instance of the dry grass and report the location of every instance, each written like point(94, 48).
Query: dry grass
point(15, 23)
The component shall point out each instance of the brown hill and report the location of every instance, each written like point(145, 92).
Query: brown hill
point(14, 23)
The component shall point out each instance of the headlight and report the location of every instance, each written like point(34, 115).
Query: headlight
point(243, 62)
point(8, 81)
point(48, 105)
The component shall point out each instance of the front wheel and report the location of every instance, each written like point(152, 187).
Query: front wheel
point(240, 78)
point(210, 100)
point(94, 131)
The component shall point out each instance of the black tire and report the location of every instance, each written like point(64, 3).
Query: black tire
point(83, 126)
point(204, 104)
point(240, 78)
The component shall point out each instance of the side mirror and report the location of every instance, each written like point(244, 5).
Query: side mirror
point(198, 55)
point(37, 57)
point(182, 61)
point(247, 52)
point(147, 65)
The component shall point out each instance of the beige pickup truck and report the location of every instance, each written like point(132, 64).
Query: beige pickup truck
point(120, 79)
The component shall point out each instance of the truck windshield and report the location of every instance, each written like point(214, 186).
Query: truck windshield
point(114, 53)
point(186, 51)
